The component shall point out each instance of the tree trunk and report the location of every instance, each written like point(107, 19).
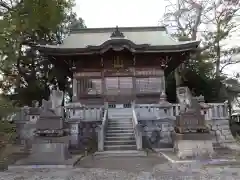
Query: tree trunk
point(218, 60)
point(177, 77)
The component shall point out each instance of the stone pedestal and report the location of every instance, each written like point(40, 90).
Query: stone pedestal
point(49, 151)
point(193, 145)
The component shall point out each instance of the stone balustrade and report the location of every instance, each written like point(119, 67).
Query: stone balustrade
point(213, 111)
point(84, 113)
point(102, 131)
point(137, 130)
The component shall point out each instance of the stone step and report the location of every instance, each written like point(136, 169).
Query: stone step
point(110, 123)
point(124, 142)
point(119, 138)
point(119, 126)
point(120, 130)
point(119, 147)
point(119, 134)
point(119, 117)
point(120, 120)
point(128, 153)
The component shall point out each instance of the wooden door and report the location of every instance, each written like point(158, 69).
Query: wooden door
point(119, 89)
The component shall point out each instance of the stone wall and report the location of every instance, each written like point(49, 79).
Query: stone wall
point(157, 133)
point(158, 128)
point(83, 135)
point(223, 137)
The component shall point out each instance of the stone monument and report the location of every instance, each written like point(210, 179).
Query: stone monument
point(191, 136)
point(50, 145)
point(25, 120)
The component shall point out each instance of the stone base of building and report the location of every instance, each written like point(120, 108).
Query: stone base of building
point(194, 145)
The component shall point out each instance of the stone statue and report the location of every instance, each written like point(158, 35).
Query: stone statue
point(56, 98)
point(46, 105)
point(183, 99)
point(35, 104)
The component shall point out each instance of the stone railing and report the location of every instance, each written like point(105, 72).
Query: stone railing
point(84, 113)
point(148, 111)
point(137, 130)
point(102, 131)
point(153, 111)
point(212, 111)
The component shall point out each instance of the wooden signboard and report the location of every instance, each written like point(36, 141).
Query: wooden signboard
point(88, 74)
point(149, 72)
point(118, 73)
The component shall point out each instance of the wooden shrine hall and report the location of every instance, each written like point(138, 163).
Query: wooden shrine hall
point(118, 65)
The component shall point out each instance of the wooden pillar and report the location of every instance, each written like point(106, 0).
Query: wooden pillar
point(104, 94)
point(163, 93)
point(163, 84)
point(134, 91)
point(74, 87)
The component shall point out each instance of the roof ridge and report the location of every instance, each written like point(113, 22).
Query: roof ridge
point(124, 29)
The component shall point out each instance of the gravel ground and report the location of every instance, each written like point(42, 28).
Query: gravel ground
point(125, 169)
point(158, 173)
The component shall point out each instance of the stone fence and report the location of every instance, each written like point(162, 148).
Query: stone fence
point(212, 111)
point(85, 113)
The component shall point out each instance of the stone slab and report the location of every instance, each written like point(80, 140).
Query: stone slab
point(22, 164)
point(42, 139)
point(49, 153)
point(192, 136)
point(193, 149)
point(120, 154)
point(172, 157)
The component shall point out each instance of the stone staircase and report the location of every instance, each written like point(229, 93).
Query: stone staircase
point(119, 139)
point(119, 133)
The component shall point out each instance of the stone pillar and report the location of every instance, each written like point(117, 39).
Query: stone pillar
point(74, 132)
point(105, 105)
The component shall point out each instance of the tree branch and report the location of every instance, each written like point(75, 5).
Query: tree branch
point(227, 64)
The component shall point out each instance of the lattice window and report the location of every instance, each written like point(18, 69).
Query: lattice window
point(89, 86)
point(148, 85)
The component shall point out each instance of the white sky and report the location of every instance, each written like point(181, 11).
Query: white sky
point(110, 13)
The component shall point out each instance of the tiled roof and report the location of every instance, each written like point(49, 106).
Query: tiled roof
point(133, 36)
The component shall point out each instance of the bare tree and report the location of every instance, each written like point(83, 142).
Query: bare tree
point(211, 21)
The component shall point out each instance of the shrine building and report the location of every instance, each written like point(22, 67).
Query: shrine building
point(119, 65)
point(118, 84)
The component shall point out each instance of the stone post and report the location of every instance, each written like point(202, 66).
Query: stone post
point(105, 105)
point(74, 132)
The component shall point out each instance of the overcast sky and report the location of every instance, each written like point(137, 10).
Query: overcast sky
point(108, 13)
point(111, 13)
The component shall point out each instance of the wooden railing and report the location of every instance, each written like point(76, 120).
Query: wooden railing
point(102, 131)
point(137, 130)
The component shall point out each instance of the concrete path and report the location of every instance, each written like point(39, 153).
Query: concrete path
point(131, 164)
point(131, 168)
